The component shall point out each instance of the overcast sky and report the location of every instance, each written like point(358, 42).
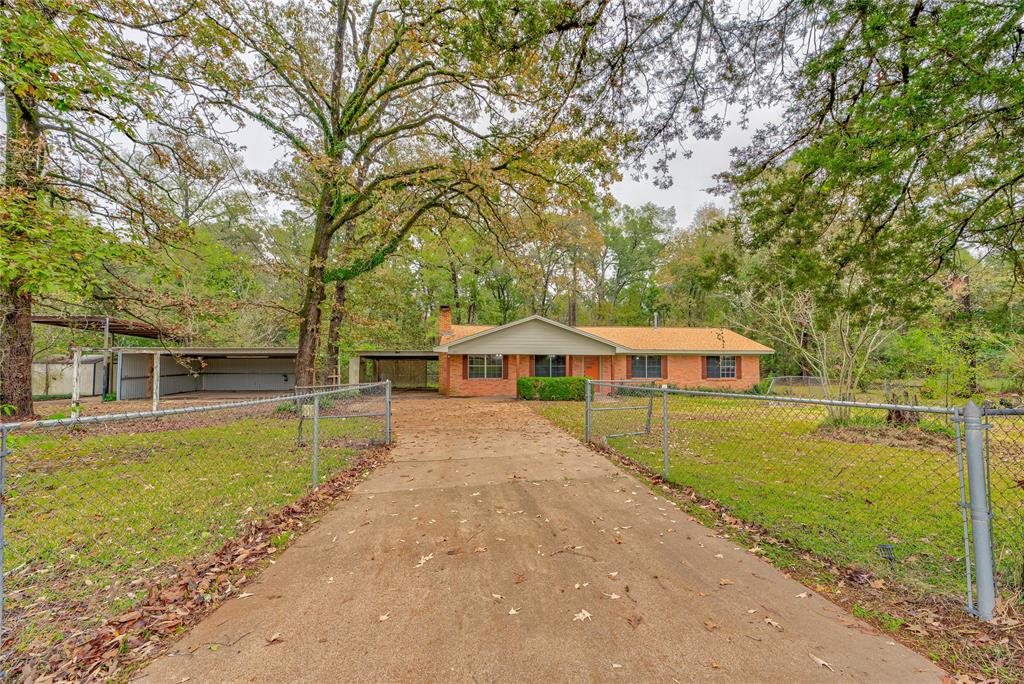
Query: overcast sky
point(691, 176)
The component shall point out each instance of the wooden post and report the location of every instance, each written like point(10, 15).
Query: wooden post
point(76, 388)
point(156, 381)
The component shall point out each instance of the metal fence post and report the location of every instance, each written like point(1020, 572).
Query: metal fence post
point(387, 411)
point(664, 430)
point(316, 439)
point(981, 513)
point(586, 400)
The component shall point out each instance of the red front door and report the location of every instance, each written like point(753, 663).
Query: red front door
point(591, 367)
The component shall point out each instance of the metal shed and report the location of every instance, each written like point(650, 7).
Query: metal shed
point(177, 370)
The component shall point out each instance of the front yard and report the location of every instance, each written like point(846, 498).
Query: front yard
point(97, 516)
point(839, 492)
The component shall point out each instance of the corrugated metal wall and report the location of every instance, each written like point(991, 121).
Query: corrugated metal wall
point(249, 375)
point(134, 376)
point(218, 375)
point(176, 378)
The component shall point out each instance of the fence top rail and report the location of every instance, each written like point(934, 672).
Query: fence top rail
point(133, 415)
point(782, 399)
point(992, 411)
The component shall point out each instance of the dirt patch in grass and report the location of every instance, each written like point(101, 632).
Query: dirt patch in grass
point(897, 437)
point(175, 597)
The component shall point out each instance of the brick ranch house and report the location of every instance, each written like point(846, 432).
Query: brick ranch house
point(480, 360)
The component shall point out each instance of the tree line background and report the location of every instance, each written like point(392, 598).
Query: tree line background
point(463, 153)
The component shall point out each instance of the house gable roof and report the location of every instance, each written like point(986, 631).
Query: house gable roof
point(626, 339)
point(464, 336)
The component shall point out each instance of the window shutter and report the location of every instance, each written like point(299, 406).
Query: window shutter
point(629, 367)
point(739, 367)
point(465, 367)
point(664, 367)
point(703, 368)
point(504, 367)
point(568, 365)
point(533, 365)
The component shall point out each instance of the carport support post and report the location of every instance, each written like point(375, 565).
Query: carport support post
point(981, 512)
point(586, 398)
point(316, 439)
point(387, 412)
point(156, 382)
point(76, 381)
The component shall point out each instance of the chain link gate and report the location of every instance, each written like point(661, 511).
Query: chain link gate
point(897, 488)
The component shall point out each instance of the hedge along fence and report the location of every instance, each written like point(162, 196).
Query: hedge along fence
point(552, 389)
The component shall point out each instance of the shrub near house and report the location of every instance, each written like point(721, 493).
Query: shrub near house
point(552, 389)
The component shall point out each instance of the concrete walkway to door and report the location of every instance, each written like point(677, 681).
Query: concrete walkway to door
point(498, 548)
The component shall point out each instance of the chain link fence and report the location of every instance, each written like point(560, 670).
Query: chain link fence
point(95, 510)
point(898, 490)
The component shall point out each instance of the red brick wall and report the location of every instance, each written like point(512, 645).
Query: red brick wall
point(457, 386)
point(683, 371)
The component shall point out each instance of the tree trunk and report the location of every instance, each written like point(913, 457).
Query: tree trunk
point(24, 157)
point(312, 299)
point(16, 350)
point(334, 330)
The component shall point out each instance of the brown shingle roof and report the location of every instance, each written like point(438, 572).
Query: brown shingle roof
point(653, 339)
point(676, 339)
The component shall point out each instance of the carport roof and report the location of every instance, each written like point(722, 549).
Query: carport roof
point(396, 354)
point(236, 352)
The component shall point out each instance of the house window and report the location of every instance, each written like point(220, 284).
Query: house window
point(721, 367)
point(645, 366)
point(484, 366)
point(549, 366)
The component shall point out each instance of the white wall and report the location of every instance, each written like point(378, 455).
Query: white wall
point(60, 378)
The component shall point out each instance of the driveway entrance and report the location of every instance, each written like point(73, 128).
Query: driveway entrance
point(498, 548)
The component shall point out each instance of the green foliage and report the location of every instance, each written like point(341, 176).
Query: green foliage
point(899, 147)
point(552, 389)
point(47, 397)
point(48, 249)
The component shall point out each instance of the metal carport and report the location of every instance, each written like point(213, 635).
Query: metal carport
point(405, 368)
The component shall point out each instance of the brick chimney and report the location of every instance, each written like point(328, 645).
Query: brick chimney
point(444, 320)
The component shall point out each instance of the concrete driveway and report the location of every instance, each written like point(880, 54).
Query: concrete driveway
point(498, 548)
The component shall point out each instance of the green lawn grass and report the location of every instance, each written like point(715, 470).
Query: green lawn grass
point(91, 511)
point(837, 492)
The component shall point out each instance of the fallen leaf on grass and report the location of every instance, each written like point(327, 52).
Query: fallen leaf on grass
point(878, 584)
point(581, 616)
point(820, 662)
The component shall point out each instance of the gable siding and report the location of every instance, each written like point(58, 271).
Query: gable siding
point(532, 337)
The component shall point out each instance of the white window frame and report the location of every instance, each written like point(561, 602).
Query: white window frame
point(726, 367)
point(485, 364)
